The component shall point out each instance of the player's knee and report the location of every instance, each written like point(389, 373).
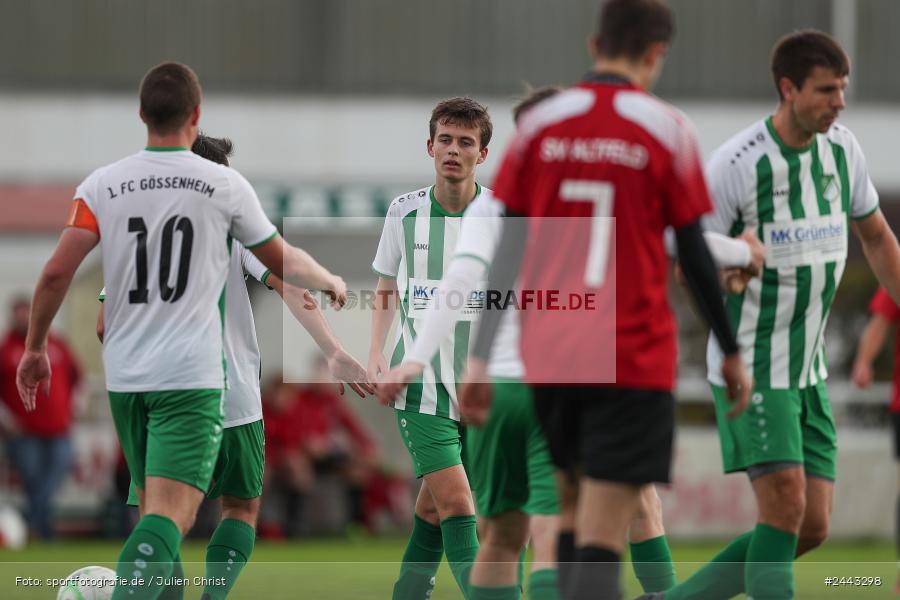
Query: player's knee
point(185, 522)
point(455, 505)
point(504, 544)
point(240, 509)
point(813, 535)
point(785, 505)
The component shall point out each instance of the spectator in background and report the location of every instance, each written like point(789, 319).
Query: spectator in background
point(885, 313)
point(333, 439)
point(311, 432)
point(288, 478)
point(38, 442)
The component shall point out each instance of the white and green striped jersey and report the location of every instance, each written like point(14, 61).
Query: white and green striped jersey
point(418, 240)
point(799, 202)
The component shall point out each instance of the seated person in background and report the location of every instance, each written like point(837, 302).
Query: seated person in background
point(311, 432)
point(334, 439)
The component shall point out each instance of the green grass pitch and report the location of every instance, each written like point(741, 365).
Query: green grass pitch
point(365, 567)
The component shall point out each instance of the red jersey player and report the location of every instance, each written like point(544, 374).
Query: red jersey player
point(885, 313)
point(598, 172)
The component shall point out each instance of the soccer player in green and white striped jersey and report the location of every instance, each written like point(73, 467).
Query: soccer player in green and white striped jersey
point(801, 181)
point(418, 240)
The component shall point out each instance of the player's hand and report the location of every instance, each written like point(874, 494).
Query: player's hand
point(737, 383)
point(757, 251)
point(344, 367)
point(337, 292)
point(734, 280)
point(475, 393)
point(377, 366)
point(862, 375)
point(34, 367)
point(396, 379)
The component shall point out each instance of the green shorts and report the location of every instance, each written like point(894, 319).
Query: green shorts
point(434, 443)
point(173, 434)
point(239, 469)
point(792, 425)
point(511, 468)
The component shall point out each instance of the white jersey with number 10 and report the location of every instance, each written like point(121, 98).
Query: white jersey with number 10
point(164, 218)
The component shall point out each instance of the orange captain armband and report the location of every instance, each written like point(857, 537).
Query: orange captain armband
point(82, 217)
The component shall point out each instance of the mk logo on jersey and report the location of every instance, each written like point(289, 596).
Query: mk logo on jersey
point(420, 246)
point(423, 291)
point(780, 236)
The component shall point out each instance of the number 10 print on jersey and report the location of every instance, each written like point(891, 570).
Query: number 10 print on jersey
point(168, 294)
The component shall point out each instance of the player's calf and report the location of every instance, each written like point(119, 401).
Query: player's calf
point(503, 537)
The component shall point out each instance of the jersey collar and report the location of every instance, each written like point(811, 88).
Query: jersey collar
point(164, 148)
point(436, 206)
point(606, 78)
point(785, 149)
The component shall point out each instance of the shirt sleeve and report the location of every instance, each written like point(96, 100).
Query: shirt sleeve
point(249, 224)
point(480, 229)
point(882, 304)
point(684, 187)
point(84, 206)
point(864, 197)
point(726, 187)
point(253, 267)
point(390, 246)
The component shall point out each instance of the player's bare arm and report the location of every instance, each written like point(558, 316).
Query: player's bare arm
point(699, 271)
point(882, 252)
point(386, 297)
point(870, 344)
point(307, 312)
point(74, 244)
point(298, 268)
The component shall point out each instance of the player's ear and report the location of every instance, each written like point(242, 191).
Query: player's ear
point(787, 88)
point(482, 155)
point(593, 45)
point(141, 114)
point(430, 145)
point(195, 115)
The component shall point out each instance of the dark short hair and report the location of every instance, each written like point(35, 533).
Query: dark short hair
point(169, 93)
point(464, 112)
point(215, 149)
point(532, 97)
point(796, 54)
point(18, 301)
point(627, 28)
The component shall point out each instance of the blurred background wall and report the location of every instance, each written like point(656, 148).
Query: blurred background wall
point(327, 103)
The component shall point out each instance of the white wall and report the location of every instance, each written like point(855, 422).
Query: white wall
point(328, 140)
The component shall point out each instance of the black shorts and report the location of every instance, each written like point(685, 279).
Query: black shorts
point(609, 434)
point(895, 422)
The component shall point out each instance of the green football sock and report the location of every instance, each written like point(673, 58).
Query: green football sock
point(228, 551)
point(509, 592)
point(175, 590)
point(461, 545)
point(652, 564)
point(722, 577)
point(769, 572)
point(543, 585)
point(147, 555)
point(420, 561)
